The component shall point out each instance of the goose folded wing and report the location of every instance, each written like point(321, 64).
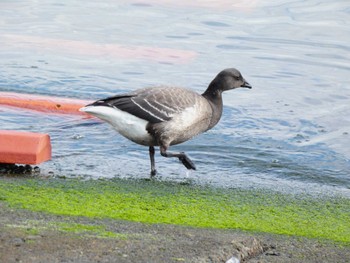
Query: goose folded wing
point(138, 106)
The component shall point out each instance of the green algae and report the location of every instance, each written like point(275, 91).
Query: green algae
point(171, 203)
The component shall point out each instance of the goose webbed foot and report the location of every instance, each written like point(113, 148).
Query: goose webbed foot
point(186, 161)
point(153, 173)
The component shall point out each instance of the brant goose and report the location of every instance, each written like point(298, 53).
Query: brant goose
point(164, 116)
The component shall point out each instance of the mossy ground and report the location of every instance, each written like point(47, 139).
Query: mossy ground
point(171, 203)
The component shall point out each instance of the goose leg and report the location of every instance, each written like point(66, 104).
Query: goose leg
point(186, 161)
point(153, 164)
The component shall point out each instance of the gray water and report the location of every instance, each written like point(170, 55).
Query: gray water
point(291, 132)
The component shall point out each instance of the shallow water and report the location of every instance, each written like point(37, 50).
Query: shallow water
point(291, 132)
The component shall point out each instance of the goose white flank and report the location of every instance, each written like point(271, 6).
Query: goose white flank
point(164, 116)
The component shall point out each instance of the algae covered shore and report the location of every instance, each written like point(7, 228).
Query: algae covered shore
point(168, 222)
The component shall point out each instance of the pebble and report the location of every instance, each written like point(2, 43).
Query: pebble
point(17, 241)
point(33, 237)
point(233, 260)
point(273, 253)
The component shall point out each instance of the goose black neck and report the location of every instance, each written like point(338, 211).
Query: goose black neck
point(213, 92)
point(214, 96)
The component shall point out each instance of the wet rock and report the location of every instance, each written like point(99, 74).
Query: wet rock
point(13, 169)
point(272, 253)
point(247, 249)
point(17, 241)
point(7, 168)
point(77, 136)
point(233, 260)
point(28, 168)
point(36, 170)
point(33, 237)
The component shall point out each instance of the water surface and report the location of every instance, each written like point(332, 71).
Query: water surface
point(291, 132)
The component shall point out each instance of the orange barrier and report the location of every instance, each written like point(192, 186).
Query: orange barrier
point(24, 147)
point(43, 103)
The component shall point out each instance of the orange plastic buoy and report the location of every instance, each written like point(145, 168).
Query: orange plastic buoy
point(43, 103)
point(24, 147)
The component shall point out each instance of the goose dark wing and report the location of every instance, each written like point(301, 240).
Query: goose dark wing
point(152, 104)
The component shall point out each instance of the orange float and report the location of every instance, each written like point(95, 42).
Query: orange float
point(43, 103)
point(18, 147)
point(24, 147)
